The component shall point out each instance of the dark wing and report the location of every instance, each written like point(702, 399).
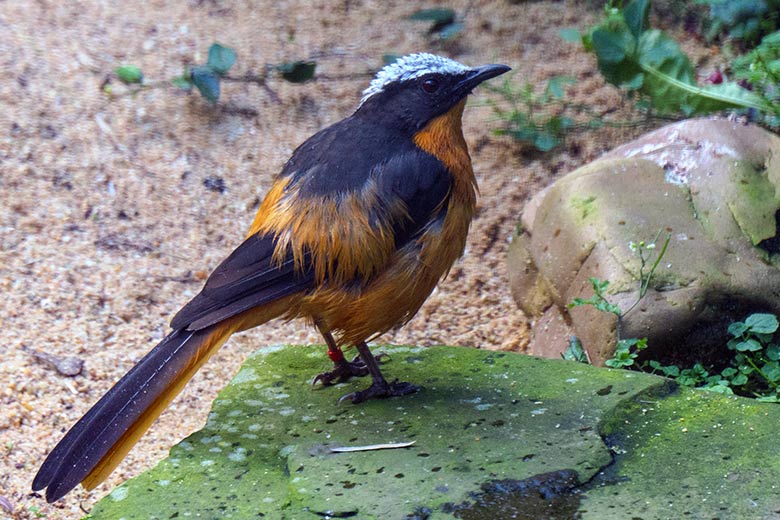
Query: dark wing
point(249, 277)
point(340, 160)
point(365, 151)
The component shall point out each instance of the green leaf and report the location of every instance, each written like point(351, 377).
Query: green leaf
point(636, 15)
point(297, 71)
point(773, 352)
point(749, 345)
point(129, 74)
point(451, 30)
point(605, 306)
point(719, 389)
point(183, 82)
point(221, 58)
point(556, 84)
point(771, 371)
point(570, 34)
point(737, 328)
point(652, 64)
point(206, 81)
point(599, 286)
point(671, 371)
point(575, 351)
point(544, 142)
point(612, 47)
point(443, 16)
point(762, 323)
point(387, 59)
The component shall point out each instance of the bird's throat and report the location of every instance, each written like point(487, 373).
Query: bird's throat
point(443, 138)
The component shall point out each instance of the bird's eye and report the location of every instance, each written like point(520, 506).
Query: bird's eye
point(430, 85)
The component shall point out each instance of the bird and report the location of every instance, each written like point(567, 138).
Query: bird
point(363, 221)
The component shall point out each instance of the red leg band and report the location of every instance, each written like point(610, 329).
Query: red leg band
point(337, 356)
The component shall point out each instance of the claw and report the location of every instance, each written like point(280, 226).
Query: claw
point(341, 372)
point(380, 390)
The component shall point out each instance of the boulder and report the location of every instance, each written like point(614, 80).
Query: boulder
point(709, 186)
point(490, 435)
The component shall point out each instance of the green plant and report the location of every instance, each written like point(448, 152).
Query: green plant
point(627, 349)
point(443, 21)
point(540, 119)
point(757, 356)
point(37, 512)
point(744, 20)
point(598, 300)
point(641, 249)
point(754, 370)
point(649, 64)
point(207, 78)
point(626, 353)
point(575, 351)
point(760, 70)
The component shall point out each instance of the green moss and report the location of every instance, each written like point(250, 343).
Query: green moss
point(753, 203)
point(691, 454)
point(481, 416)
point(584, 206)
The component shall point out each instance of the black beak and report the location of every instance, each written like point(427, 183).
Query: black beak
point(477, 75)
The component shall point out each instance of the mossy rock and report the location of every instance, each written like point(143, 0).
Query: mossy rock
point(496, 436)
point(481, 417)
point(708, 185)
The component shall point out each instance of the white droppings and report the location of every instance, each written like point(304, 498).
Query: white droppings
point(119, 494)
point(286, 450)
point(266, 350)
point(483, 407)
point(572, 380)
point(210, 440)
point(164, 482)
point(538, 411)
point(207, 462)
point(238, 455)
point(285, 412)
point(245, 375)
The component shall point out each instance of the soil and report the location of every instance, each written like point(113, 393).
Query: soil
point(114, 209)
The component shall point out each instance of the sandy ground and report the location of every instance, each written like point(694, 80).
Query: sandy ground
point(107, 227)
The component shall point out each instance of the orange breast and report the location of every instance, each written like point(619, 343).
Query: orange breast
point(394, 295)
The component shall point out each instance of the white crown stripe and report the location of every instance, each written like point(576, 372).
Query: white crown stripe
point(411, 67)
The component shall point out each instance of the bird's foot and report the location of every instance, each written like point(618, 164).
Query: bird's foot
point(345, 370)
point(381, 389)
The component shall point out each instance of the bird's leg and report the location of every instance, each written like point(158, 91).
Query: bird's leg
point(379, 386)
point(342, 369)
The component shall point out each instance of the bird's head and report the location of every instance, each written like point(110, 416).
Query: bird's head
point(419, 87)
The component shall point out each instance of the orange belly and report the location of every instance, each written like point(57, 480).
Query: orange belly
point(394, 296)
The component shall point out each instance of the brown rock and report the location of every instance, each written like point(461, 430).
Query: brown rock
point(710, 186)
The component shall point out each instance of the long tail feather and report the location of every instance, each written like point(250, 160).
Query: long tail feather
point(98, 442)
